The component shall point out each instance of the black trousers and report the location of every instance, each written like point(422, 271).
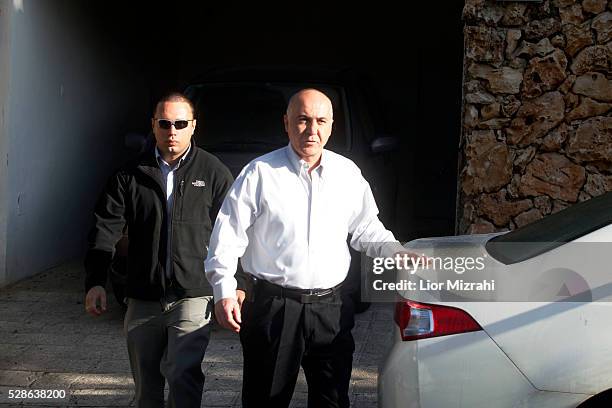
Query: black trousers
point(279, 334)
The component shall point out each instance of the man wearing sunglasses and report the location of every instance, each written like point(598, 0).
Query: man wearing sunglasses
point(168, 198)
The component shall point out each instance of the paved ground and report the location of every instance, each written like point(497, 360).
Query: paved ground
point(47, 342)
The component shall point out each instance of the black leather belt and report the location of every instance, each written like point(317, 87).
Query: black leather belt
point(265, 288)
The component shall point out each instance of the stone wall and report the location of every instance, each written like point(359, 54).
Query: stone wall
point(537, 110)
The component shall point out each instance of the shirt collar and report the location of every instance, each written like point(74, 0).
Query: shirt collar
point(161, 161)
point(299, 164)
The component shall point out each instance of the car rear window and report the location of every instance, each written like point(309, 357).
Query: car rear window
point(552, 231)
point(249, 116)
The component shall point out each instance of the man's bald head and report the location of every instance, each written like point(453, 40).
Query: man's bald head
point(308, 123)
point(309, 95)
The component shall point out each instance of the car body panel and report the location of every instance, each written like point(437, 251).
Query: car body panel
point(572, 340)
point(570, 343)
point(561, 346)
point(483, 376)
point(545, 348)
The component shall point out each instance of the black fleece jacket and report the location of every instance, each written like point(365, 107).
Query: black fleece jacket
point(136, 196)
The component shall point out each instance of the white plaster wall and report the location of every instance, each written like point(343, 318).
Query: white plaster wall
point(6, 11)
point(69, 94)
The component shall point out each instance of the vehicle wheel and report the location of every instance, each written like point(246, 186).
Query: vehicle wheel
point(603, 399)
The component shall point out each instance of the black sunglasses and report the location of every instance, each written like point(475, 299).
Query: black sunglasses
point(178, 124)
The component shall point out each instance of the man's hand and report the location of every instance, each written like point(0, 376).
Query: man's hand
point(95, 295)
point(227, 311)
point(240, 295)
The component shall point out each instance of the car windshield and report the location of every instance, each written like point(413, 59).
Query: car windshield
point(552, 231)
point(249, 116)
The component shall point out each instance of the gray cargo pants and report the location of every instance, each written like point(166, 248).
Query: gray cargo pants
point(168, 342)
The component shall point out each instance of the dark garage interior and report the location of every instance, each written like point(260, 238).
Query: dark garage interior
point(110, 61)
point(411, 61)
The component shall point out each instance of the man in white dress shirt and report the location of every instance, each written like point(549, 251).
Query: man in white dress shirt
point(287, 216)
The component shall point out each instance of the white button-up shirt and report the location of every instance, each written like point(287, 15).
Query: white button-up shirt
point(290, 227)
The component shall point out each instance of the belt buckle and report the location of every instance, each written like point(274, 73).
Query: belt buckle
point(316, 293)
point(306, 297)
point(324, 292)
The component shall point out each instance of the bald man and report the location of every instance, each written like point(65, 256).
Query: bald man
point(288, 215)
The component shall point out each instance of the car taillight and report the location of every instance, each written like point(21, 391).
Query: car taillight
point(422, 320)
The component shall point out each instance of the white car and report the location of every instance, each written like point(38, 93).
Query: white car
point(541, 338)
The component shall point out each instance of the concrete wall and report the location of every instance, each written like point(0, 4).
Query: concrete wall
point(5, 29)
point(68, 93)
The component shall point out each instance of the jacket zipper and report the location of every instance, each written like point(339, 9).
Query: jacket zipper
point(172, 217)
point(181, 189)
point(155, 175)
